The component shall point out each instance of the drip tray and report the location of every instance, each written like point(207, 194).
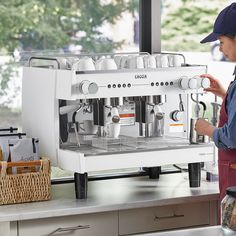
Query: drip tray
point(126, 143)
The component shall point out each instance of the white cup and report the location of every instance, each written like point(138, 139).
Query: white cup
point(114, 111)
point(106, 64)
point(62, 62)
point(149, 61)
point(175, 60)
point(123, 62)
point(113, 130)
point(117, 60)
point(164, 60)
point(89, 127)
point(158, 61)
point(135, 62)
point(83, 64)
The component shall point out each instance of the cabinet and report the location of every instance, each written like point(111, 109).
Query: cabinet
point(122, 222)
point(100, 224)
point(8, 229)
point(152, 219)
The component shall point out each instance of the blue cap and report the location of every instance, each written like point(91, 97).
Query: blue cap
point(225, 24)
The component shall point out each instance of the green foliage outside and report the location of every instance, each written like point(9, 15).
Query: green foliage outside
point(52, 24)
point(186, 22)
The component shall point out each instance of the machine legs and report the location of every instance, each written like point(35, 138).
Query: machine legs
point(194, 172)
point(81, 185)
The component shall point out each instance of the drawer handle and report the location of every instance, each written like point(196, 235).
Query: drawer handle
point(59, 230)
point(167, 217)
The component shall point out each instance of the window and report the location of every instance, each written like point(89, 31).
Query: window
point(184, 24)
point(57, 27)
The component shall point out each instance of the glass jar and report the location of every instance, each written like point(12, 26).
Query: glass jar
point(228, 210)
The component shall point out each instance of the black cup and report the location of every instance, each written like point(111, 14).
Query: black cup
point(194, 173)
point(81, 185)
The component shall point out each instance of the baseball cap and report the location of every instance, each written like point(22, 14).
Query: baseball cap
point(225, 24)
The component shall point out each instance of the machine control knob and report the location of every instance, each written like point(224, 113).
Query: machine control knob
point(87, 87)
point(188, 83)
point(202, 82)
point(192, 83)
point(205, 83)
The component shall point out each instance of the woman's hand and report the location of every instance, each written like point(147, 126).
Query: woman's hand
point(203, 127)
point(215, 87)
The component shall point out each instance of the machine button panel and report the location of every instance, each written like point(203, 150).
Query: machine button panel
point(119, 85)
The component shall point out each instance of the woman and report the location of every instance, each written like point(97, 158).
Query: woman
point(224, 135)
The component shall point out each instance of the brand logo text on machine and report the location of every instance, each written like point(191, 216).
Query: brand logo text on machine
point(140, 76)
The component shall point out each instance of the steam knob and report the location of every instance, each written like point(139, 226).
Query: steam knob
point(205, 83)
point(188, 83)
point(87, 87)
point(202, 82)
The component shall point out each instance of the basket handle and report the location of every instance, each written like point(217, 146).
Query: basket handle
point(3, 164)
point(43, 163)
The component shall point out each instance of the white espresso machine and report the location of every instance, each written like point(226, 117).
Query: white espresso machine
point(114, 111)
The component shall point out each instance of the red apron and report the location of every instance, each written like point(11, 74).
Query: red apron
point(226, 157)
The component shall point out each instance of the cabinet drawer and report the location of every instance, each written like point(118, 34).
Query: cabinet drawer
point(101, 224)
point(163, 217)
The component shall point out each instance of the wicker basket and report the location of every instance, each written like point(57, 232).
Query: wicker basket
point(25, 187)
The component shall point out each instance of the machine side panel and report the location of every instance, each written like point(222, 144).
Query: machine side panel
point(39, 115)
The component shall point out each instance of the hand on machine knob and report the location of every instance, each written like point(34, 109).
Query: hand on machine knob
point(202, 82)
point(215, 86)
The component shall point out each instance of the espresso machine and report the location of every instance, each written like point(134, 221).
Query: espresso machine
point(114, 111)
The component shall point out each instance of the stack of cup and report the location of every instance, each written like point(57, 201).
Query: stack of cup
point(162, 60)
point(83, 64)
point(149, 61)
point(106, 64)
point(135, 62)
point(175, 60)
